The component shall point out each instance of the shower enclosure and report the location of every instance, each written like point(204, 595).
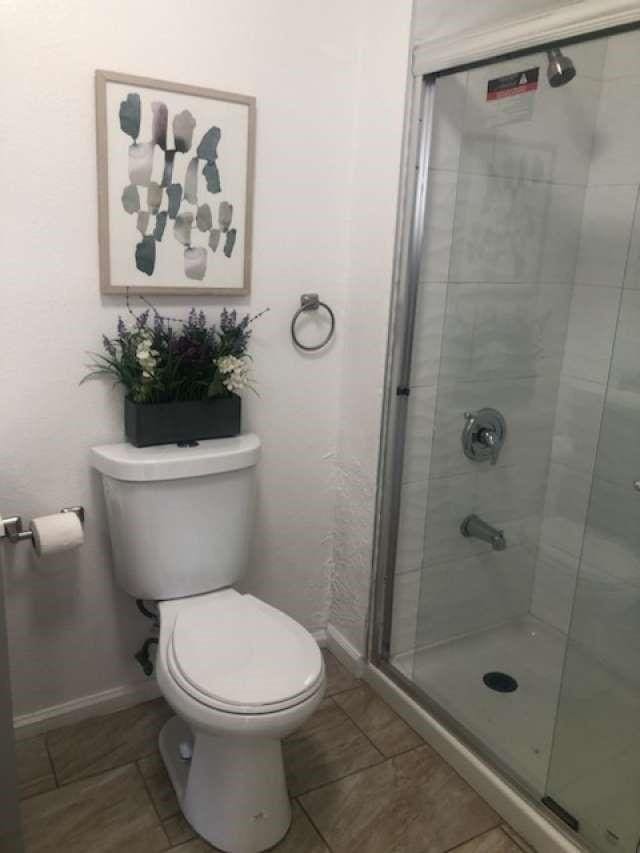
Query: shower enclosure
point(509, 560)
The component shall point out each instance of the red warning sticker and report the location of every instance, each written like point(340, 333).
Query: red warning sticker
point(513, 84)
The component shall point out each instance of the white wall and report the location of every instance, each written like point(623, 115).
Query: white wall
point(438, 18)
point(365, 337)
point(329, 79)
point(71, 632)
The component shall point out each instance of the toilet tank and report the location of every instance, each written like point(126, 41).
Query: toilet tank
point(180, 518)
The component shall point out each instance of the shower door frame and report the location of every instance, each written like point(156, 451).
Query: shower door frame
point(591, 18)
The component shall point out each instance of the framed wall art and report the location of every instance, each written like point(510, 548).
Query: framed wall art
point(175, 187)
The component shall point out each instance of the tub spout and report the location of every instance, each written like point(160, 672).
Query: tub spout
point(474, 526)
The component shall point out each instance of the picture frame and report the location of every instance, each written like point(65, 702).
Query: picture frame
point(175, 167)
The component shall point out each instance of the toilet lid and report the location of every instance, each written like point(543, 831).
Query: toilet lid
point(236, 653)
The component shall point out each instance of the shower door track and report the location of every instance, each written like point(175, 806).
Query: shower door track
point(578, 22)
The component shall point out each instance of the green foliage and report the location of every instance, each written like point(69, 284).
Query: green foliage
point(161, 359)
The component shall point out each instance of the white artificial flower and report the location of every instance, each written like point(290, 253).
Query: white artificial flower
point(145, 355)
point(235, 372)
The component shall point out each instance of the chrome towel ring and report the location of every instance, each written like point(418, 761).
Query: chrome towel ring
point(311, 302)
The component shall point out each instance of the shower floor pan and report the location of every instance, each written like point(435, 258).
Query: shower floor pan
point(517, 726)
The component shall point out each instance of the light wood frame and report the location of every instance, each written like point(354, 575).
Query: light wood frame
point(102, 78)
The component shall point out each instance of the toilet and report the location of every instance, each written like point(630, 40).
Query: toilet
point(240, 674)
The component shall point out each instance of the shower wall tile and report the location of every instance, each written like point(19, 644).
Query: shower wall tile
point(618, 458)
point(612, 535)
point(472, 594)
point(504, 330)
point(412, 512)
point(606, 616)
point(615, 153)
point(511, 499)
point(632, 275)
point(549, 137)
point(450, 95)
point(528, 406)
point(554, 585)
point(427, 342)
point(577, 423)
point(457, 333)
point(625, 366)
point(419, 434)
point(406, 595)
point(592, 324)
point(623, 57)
point(606, 229)
point(449, 500)
point(565, 509)
point(518, 231)
point(438, 230)
point(561, 234)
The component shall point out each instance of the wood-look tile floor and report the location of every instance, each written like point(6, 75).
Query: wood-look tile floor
point(361, 781)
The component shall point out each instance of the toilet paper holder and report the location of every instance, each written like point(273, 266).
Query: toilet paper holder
point(14, 529)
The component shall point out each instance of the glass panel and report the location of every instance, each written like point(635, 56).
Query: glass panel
point(517, 586)
point(595, 768)
point(509, 179)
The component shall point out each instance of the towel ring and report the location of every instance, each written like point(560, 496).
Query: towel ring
point(311, 302)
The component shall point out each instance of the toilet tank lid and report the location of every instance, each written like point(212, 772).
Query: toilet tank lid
point(170, 462)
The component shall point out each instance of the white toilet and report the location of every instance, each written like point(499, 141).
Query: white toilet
point(240, 674)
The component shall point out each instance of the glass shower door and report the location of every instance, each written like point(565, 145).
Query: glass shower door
point(509, 178)
point(516, 578)
point(594, 771)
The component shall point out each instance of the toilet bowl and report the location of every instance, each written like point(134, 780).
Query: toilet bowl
point(240, 674)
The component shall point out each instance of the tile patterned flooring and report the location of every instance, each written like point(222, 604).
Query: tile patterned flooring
point(361, 780)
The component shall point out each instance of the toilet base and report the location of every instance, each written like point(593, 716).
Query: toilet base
point(232, 791)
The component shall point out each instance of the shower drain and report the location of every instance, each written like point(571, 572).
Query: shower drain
point(500, 682)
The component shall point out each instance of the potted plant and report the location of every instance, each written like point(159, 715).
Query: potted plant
point(182, 378)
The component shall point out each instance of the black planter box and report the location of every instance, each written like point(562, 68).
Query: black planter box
point(146, 424)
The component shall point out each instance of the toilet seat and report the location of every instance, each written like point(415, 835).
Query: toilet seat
point(238, 654)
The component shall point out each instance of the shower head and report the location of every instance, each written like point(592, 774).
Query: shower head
point(561, 69)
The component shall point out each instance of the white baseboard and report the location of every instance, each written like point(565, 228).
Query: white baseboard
point(94, 705)
point(345, 651)
point(320, 636)
point(520, 814)
point(98, 704)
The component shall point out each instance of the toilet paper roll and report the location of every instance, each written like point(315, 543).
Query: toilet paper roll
point(59, 532)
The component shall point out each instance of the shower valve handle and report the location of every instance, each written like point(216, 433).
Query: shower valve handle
point(489, 438)
point(483, 435)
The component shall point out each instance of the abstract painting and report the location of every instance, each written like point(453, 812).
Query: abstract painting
point(175, 186)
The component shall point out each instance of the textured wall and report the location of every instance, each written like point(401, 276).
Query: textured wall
point(380, 99)
point(72, 632)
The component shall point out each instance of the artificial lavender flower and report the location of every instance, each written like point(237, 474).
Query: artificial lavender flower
point(227, 320)
point(161, 359)
point(109, 346)
point(141, 319)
